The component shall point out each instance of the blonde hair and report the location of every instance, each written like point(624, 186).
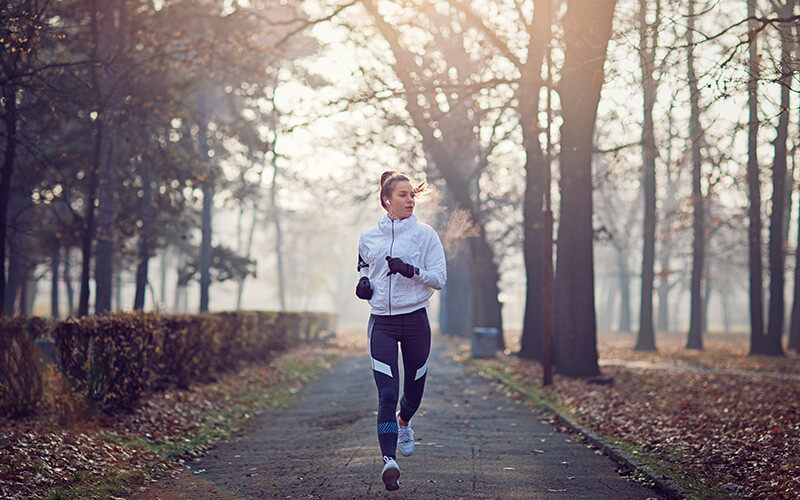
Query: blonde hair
point(388, 180)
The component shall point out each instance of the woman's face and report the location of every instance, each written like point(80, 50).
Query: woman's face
point(401, 203)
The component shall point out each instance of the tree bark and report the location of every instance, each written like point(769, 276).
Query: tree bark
point(771, 344)
point(104, 40)
point(535, 178)
point(794, 329)
point(10, 114)
point(587, 28)
point(695, 336)
point(55, 264)
point(646, 340)
point(68, 281)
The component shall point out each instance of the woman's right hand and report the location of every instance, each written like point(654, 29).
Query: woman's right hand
point(364, 289)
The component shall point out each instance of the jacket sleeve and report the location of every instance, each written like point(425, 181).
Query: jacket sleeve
point(434, 273)
point(363, 262)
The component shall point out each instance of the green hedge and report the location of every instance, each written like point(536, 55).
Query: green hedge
point(20, 371)
point(116, 358)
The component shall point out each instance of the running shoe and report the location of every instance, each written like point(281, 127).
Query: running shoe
point(405, 440)
point(390, 474)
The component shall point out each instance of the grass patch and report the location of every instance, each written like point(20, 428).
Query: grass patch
point(87, 487)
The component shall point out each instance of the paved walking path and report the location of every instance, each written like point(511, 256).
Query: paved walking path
point(472, 442)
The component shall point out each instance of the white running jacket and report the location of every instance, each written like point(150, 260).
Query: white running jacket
point(414, 242)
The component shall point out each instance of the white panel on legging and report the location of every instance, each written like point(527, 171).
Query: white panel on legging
point(381, 367)
point(422, 371)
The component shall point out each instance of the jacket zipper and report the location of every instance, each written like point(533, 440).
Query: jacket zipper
point(391, 250)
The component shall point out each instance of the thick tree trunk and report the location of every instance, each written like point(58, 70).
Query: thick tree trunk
point(535, 179)
point(145, 211)
point(10, 114)
point(55, 264)
point(646, 340)
point(587, 27)
point(794, 328)
point(695, 337)
point(455, 160)
point(457, 294)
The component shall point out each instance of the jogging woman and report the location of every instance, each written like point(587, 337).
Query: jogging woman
point(401, 262)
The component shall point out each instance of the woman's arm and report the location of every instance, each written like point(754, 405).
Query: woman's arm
point(434, 273)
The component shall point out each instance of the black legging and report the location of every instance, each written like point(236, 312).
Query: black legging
point(413, 332)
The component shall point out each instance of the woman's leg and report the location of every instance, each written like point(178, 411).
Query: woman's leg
point(415, 343)
point(383, 351)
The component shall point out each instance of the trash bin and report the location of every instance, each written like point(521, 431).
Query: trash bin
point(484, 342)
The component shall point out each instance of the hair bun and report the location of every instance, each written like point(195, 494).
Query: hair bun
point(386, 175)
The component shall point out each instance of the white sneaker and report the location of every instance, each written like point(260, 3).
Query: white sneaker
point(390, 474)
point(405, 440)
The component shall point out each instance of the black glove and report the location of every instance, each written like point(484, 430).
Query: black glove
point(364, 289)
point(396, 265)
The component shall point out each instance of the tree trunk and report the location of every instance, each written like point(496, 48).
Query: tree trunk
point(145, 210)
point(587, 27)
point(646, 340)
point(726, 308)
point(68, 281)
point(771, 344)
point(55, 264)
point(276, 220)
point(535, 178)
point(707, 294)
point(488, 310)
point(663, 303)
point(103, 37)
point(794, 329)
point(16, 263)
point(624, 324)
point(457, 293)
point(208, 199)
point(10, 114)
point(162, 269)
point(606, 317)
point(455, 160)
point(695, 337)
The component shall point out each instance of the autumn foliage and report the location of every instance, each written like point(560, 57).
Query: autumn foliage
point(20, 376)
point(114, 359)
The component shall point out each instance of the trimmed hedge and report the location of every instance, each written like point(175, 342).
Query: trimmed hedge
point(20, 373)
point(116, 358)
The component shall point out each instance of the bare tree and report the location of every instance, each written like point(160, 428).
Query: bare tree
point(755, 267)
point(587, 29)
point(695, 337)
point(648, 42)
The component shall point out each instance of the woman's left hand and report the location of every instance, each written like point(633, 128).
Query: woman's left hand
point(396, 265)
